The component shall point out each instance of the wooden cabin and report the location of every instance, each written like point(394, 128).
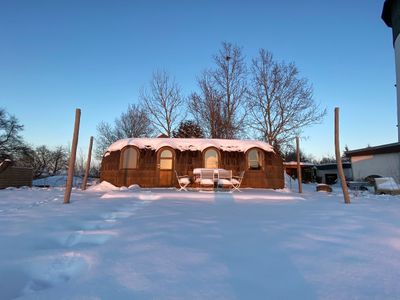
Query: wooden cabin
point(152, 162)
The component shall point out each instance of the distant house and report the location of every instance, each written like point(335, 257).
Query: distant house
point(151, 162)
point(383, 160)
point(328, 173)
point(11, 176)
point(307, 170)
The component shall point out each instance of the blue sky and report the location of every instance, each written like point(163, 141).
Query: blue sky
point(56, 56)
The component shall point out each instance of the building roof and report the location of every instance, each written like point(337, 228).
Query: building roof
point(189, 144)
point(381, 149)
point(333, 166)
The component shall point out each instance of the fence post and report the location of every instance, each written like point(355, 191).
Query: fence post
point(299, 179)
point(85, 178)
point(72, 158)
point(339, 159)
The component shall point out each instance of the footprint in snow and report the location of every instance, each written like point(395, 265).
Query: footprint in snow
point(117, 215)
point(91, 237)
point(98, 225)
point(47, 271)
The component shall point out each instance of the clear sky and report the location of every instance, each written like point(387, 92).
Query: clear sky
point(56, 56)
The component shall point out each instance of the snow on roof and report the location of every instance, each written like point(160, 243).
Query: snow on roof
point(190, 144)
point(294, 163)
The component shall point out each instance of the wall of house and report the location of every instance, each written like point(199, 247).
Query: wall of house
point(386, 165)
point(147, 175)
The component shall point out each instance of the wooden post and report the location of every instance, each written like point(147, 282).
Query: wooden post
point(72, 157)
point(339, 159)
point(85, 178)
point(299, 179)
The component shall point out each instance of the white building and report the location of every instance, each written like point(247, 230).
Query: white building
point(383, 160)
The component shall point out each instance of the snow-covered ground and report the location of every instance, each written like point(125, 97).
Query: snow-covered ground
point(162, 244)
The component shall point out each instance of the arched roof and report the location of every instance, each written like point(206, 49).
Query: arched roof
point(190, 144)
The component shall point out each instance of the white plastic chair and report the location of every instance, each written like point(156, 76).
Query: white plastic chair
point(237, 181)
point(183, 181)
point(225, 178)
point(207, 178)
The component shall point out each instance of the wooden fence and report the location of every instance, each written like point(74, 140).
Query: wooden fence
point(16, 177)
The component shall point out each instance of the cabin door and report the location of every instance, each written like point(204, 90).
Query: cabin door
point(165, 168)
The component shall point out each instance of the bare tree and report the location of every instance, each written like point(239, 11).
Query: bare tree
point(41, 161)
point(163, 103)
point(280, 102)
point(58, 160)
point(105, 137)
point(45, 161)
point(206, 107)
point(132, 123)
point(11, 142)
point(229, 79)
point(220, 103)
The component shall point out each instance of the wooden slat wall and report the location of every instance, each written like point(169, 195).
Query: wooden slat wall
point(16, 177)
point(147, 176)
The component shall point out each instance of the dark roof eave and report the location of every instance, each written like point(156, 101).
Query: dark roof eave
point(381, 149)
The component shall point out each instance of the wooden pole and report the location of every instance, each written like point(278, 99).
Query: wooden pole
point(72, 158)
point(299, 179)
point(339, 159)
point(85, 178)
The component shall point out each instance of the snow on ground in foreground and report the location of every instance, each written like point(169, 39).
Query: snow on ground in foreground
point(163, 244)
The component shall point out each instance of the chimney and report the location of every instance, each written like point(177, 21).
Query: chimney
point(391, 17)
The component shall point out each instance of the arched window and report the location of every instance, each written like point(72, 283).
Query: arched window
point(129, 159)
point(211, 159)
point(255, 159)
point(166, 157)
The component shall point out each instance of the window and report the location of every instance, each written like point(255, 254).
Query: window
point(211, 159)
point(254, 159)
point(129, 158)
point(166, 157)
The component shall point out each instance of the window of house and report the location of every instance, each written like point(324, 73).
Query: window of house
point(254, 159)
point(166, 157)
point(211, 159)
point(129, 158)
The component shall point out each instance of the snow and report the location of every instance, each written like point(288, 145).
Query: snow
point(294, 163)
point(189, 144)
point(386, 183)
point(122, 243)
point(104, 186)
point(184, 180)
